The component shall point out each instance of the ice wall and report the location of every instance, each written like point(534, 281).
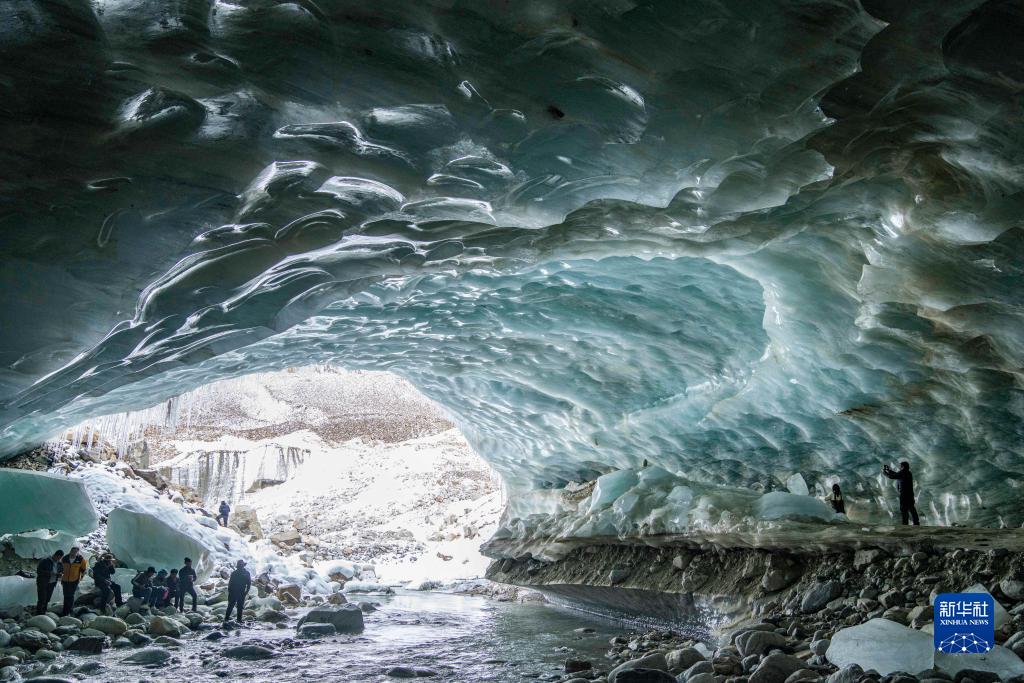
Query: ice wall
point(32, 501)
point(739, 240)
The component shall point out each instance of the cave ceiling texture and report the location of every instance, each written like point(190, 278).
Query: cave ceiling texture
point(738, 239)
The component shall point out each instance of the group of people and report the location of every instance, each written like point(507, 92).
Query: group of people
point(154, 588)
point(904, 486)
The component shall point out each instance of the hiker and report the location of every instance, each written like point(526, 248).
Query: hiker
point(186, 586)
point(836, 499)
point(224, 511)
point(142, 585)
point(159, 589)
point(239, 584)
point(905, 486)
point(73, 566)
point(103, 575)
point(172, 589)
point(47, 574)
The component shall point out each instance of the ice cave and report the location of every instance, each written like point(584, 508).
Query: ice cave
point(660, 277)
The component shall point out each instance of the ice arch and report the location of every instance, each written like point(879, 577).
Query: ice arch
point(741, 239)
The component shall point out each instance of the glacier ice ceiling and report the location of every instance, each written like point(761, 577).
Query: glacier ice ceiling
point(737, 239)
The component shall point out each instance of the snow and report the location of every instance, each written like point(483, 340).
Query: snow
point(39, 500)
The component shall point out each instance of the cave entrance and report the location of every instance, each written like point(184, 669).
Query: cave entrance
point(320, 464)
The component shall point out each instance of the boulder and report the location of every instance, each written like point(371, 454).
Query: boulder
point(289, 593)
point(316, 630)
point(248, 652)
point(576, 665)
point(271, 616)
point(680, 660)
point(819, 595)
point(1012, 588)
point(288, 538)
point(758, 642)
point(30, 639)
point(653, 661)
point(41, 623)
point(91, 645)
point(345, 619)
point(112, 626)
point(645, 676)
point(246, 522)
point(776, 668)
point(164, 626)
point(864, 558)
point(882, 645)
point(148, 656)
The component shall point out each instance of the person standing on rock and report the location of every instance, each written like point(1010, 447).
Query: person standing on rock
point(47, 574)
point(239, 584)
point(186, 586)
point(224, 511)
point(905, 486)
point(836, 500)
point(103, 575)
point(73, 569)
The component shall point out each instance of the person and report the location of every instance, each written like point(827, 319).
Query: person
point(905, 486)
point(224, 511)
point(172, 589)
point(103, 575)
point(73, 569)
point(47, 575)
point(239, 584)
point(142, 585)
point(836, 499)
point(159, 595)
point(186, 586)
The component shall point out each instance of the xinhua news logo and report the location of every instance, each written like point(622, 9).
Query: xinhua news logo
point(964, 623)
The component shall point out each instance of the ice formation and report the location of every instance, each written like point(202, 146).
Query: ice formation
point(38, 501)
point(738, 240)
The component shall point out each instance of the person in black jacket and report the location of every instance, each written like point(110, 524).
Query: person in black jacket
point(47, 575)
point(836, 500)
point(103, 576)
point(905, 486)
point(186, 586)
point(239, 584)
point(172, 589)
point(223, 511)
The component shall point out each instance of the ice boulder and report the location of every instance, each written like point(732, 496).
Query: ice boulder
point(999, 660)
point(797, 486)
point(38, 500)
point(141, 540)
point(782, 505)
point(40, 543)
point(16, 590)
point(1000, 616)
point(609, 487)
point(882, 645)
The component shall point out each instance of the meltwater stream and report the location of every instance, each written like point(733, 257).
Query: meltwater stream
point(462, 638)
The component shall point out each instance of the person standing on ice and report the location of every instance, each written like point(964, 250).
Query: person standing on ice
point(905, 486)
point(224, 511)
point(239, 584)
point(103, 575)
point(186, 586)
point(73, 566)
point(836, 500)
point(47, 575)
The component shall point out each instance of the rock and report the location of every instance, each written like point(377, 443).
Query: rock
point(112, 626)
point(645, 676)
point(680, 660)
point(702, 678)
point(653, 661)
point(316, 630)
point(213, 636)
point(820, 595)
point(271, 616)
point(138, 639)
point(758, 642)
point(575, 665)
point(164, 626)
point(167, 641)
point(882, 645)
point(337, 598)
point(287, 538)
point(778, 578)
point(891, 599)
point(46, 655)
point(345, 619)
point(246, 522)
point(289, 593)
point(249, 652)
point(850, 673)
point(818, 647)
point(41, 623)
point(401, 672)
point(976, 675)
point(803, 675)
point(776, 668)
point(148, 656)
point(1012, 588)
point(366, 607)
point(616, 576)
point(998, 660)
point(30, 639)
point(864, 558)
point(698, 668)
point(90, 645)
